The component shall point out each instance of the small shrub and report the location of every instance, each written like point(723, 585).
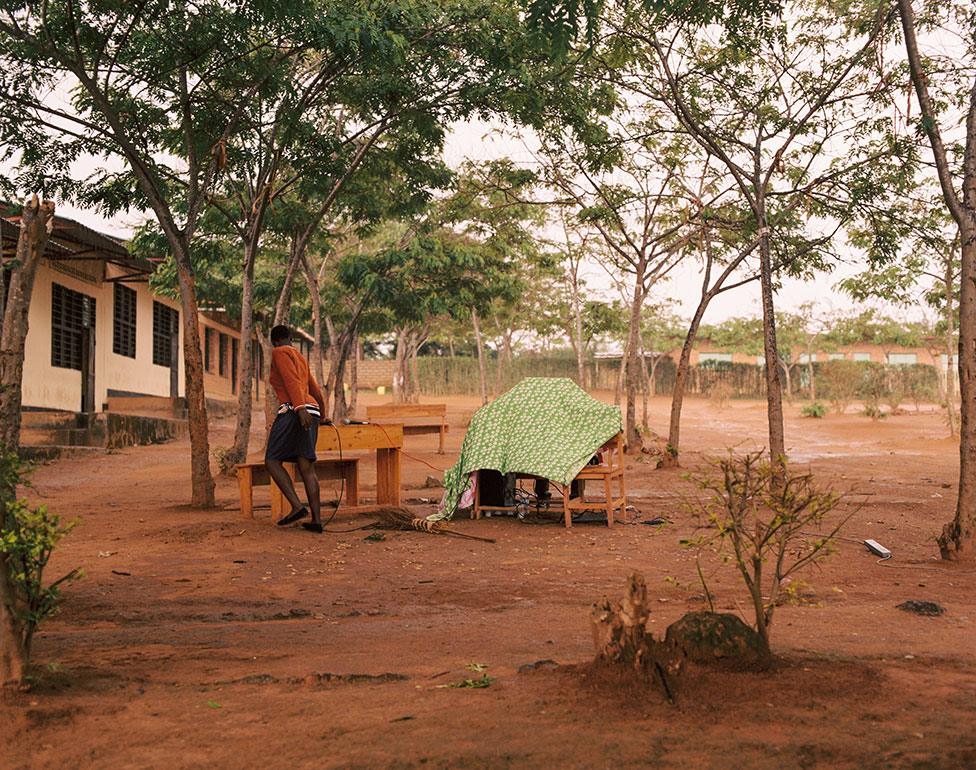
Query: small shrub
point(839, 382)
point(816, 409)
point(873, 410)
point(28, 537)
point(719, 393)
point(226, 463)
point(760, 522)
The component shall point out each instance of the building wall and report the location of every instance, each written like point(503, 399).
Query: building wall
point(862, 352)
point(52, 387)
point(221, 387)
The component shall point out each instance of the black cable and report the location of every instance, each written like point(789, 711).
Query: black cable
point(342, 486)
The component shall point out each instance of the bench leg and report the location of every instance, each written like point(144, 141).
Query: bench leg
point(352, 485)
point(440, 450)
point(623, 499)
point(245, 483)
point(608, 489)
point(388, 477)
point(567, 513)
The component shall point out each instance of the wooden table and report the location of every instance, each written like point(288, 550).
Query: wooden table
point(386, 440)
point(402, 413)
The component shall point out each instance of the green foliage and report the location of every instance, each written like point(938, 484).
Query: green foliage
point(874, 388)
point(839, 382)
point(561, 21)
point(816, 409)
point(28, 537)
point(762, 524)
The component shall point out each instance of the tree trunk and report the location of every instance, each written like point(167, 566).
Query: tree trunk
point(958, 538)
point(670, 459)
point(632, 371)
point(810, 373)
point(482, 373)
point(774, 392)
point(318, 369)
point(645, 390)
point(270, 397)
point(242, 432)
point(201, 479)
point(414, 372)
point(950, 350)
point(354, 375)
point(578, 334)
point(35, 228)
point(618, 386)
point(331, 353)
point(296, 254)
point(400, 368)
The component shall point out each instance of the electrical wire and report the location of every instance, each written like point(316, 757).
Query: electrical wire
point(342, 486)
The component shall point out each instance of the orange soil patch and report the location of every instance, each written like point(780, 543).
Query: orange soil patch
point(231, 643)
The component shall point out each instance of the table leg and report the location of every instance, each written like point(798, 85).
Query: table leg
point(245, 483)
point(352, 485)
point(388, 477)
point(567, 514)
point(608, 488)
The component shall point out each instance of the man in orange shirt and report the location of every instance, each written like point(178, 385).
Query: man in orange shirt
point(295, 429)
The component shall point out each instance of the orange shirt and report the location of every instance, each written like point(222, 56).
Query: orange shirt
point(292, 381)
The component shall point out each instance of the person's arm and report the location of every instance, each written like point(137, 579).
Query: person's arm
point(316, 393)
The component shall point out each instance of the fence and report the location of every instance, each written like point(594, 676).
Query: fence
point(838, 381)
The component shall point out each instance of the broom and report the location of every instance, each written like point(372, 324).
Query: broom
point(401, 518)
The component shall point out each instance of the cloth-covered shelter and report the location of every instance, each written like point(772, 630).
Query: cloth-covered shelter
point(544, 426)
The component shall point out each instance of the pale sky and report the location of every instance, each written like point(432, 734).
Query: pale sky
point(474, 141)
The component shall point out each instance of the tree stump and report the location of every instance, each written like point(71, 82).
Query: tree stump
point(619, 627)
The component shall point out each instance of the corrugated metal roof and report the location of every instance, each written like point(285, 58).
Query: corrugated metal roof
point(71, 240)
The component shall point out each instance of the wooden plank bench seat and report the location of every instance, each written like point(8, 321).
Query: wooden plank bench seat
point(250, 475)
point(415, 418)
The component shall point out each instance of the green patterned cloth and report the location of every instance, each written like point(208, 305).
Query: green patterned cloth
point(546, 426)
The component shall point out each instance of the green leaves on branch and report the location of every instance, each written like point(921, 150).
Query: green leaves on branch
point(28, 537)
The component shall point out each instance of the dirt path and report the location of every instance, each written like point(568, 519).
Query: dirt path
point(230, 643)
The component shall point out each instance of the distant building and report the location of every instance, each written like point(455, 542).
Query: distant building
point(96, 329)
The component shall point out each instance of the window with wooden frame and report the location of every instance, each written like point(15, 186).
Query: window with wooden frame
point(207, 349)
point(166, 322)
point(71, 313)
point(222, 353)
point(234, 362)
point(124, 322)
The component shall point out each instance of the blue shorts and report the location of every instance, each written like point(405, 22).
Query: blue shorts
point(288, 440)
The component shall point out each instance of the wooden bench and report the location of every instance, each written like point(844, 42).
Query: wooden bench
point(409, 414)
point(250, 475)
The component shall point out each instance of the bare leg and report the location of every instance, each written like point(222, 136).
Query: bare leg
point(306, 467)
point(284, 482)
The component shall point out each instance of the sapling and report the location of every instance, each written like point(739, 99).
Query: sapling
point(764, 524)
point(28, 537)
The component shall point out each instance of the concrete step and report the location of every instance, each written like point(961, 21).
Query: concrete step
point(147, 406)
point(48, 452)
point(49, 419)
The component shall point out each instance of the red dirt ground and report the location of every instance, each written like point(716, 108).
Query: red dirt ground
point(230, 643)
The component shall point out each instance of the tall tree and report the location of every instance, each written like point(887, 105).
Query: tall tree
point(769, 109)
point(637, 206)
point(150, 83)
point(955, 165)
point(925, 269)
point(36, 221)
